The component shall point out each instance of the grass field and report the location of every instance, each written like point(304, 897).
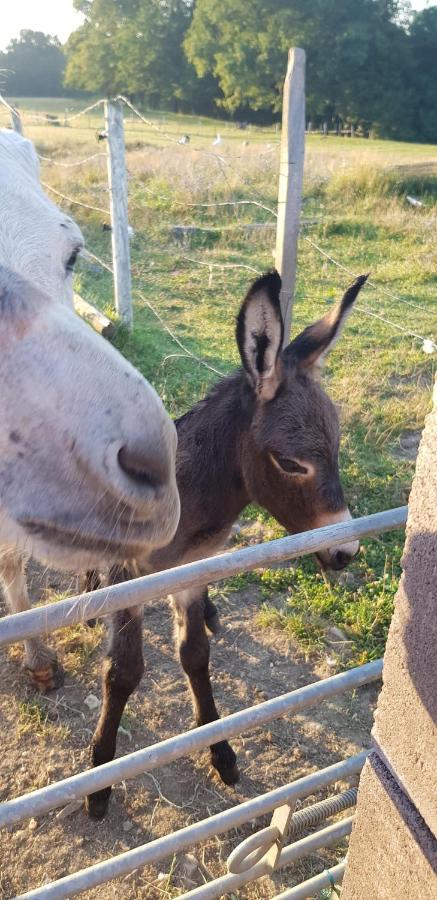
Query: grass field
point(355, 209)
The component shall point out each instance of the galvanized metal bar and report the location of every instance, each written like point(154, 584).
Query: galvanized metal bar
point(227, 884)
point(149, 853)
point(63, 613)
point(308, 888)
point(44, 799)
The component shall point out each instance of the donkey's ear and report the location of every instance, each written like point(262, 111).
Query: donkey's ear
point(309, 349)
point(260, 332)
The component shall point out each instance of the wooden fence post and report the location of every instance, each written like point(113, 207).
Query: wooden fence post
point(117, 180)
point(16, 123)
point(290, 180)
point(16, 120)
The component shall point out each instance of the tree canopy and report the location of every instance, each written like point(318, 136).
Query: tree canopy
point(33, 65)
point(423, 74)
point(354, 48)
point(135, 47)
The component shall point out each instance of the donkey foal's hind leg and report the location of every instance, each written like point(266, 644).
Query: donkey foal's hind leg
point(122, 672)
point(193, 648)
point(40, 661)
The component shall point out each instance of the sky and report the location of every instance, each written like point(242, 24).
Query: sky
point(58, 17)
point(51, 16)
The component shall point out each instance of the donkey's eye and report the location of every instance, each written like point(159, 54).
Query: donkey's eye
point(71, 261)
point(289, 466)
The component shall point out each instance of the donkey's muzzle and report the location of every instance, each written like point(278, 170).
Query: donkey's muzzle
point(339, 557)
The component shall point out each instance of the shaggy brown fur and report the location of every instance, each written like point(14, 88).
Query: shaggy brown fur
point(266, 434)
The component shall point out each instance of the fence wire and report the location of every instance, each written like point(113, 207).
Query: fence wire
point(225, 162)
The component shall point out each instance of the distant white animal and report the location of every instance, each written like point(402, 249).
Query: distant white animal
point(87, 451)
point(413, 201)
point(217, 141)
point(185, 139)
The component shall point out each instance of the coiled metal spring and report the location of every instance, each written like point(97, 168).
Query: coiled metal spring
point(314, 815)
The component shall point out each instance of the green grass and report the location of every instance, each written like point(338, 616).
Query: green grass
point(34, 718)
point(355, 199)
point(361, 608)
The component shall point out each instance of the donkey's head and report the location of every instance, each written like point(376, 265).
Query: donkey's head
point(87, 451)
point(290, 464)
point(37, 239)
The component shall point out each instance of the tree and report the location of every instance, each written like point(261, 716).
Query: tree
point(369, 62)
point(423, 47)
point(354, 49)
point(133, 47)
point(34, 64)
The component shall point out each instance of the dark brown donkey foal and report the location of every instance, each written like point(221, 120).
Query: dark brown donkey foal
point(266, 434)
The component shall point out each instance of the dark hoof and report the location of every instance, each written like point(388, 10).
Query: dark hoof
point(96, 804)
point(224, 761)
point(213, 624)
point(50, 678)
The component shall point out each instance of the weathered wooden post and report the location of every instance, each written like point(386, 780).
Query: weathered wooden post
point(290, 180)
point(16, 120)
point(16, 123)
point(117, 180)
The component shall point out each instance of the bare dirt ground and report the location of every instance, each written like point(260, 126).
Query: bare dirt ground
point(44, 739)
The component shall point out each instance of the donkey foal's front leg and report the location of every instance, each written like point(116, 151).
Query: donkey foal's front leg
point(122, 672)
point(193, 648)
point(40, 661)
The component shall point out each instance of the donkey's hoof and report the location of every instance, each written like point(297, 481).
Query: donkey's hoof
point(213, 624)
point(224, 761)
point(96, 804)
point(48, 678)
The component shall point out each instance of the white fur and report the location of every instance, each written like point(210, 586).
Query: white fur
point(36, 238)
point(68, 403)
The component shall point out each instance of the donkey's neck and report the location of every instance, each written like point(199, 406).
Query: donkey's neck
point(209, 469)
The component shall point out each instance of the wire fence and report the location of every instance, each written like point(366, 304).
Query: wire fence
point(427, 341)
point(226, 165)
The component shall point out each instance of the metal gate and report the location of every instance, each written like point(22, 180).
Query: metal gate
point(264, 851)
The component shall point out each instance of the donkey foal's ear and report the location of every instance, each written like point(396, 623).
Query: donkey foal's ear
point(309, 349)
point(260, 332)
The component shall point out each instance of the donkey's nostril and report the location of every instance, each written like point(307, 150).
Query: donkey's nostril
point(140, 467)
point(341, 558)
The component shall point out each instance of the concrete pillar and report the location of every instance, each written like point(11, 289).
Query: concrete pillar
point(393, 847)
point(392, 853)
